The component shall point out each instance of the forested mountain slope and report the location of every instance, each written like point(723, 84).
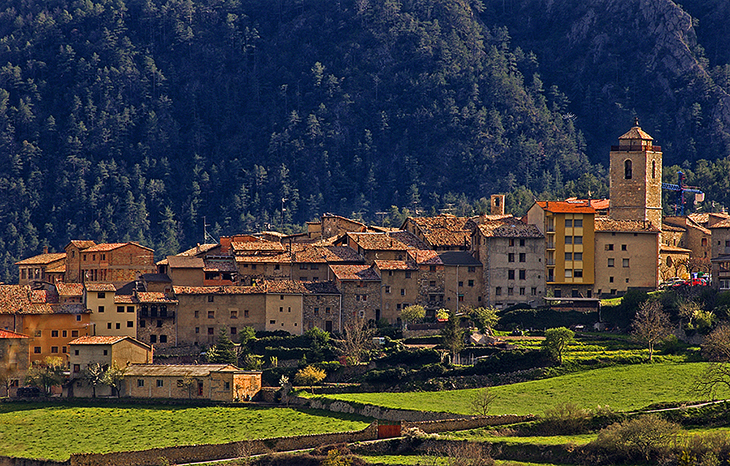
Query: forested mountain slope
point(135, 119)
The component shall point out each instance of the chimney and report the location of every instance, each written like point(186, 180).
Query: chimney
point(45, 249)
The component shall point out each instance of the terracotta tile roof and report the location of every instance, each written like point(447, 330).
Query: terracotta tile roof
point(58, 268)
point(112, 246)
point(154, 297)
point(668, 227)
point(81, 244)
point(355, 272)
point(321, 287)
point(199, 249)
point(410, 240)
point(281, 287)
point(219, 290)
point(377, 242)
point(250, 247)
point(220, 265)
point(325, 254)
point(508, 228)
point(13, 298)
point(567, 207)
point(37, 308)
point(636, 133)
point(459, 258)
point(69, 309)
point(635, 226)
point(395, 265)
point(723, 224)
point(178, 370)
point(100, 287)
point(182, 262)
point(10, 334)
point(425, 257)
point(124, 299)
point(43, 297)
point(97, 340)
point(444, 230)
point(42, 259)
point(70, 289)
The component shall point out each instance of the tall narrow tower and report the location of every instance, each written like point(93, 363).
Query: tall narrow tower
point(636, 178)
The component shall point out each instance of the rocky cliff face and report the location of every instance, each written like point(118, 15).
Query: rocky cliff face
point(622, 58)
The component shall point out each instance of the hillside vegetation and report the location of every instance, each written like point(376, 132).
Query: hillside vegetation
point(142, 119)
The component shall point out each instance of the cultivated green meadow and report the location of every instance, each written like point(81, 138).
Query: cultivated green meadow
point(55, 432)
point(622, 388)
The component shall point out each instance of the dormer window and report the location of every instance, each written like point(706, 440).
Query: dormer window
point(627, 170)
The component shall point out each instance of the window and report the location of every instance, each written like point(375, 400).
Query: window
point(432, 283)
point(609, 247)
point(109, 326)
point(610, 262)
point(533, 291)
point(577, 256)
point(130, 323)
point(272, 322)
point(36, 349)
point(228, 385)
point(153, 338)
point(64, 334)
point(461, 284)
point(211, 314)
point(197, 314)
point(54, 333)
point(610, 280)
point(625, 262)
point(142, 323)
point(408, 274)
point(568, 240)
point(498, 291)
point(326, 310)
point(245, 313)
point(511, 257)
point(578, 223)
point(402, 292)
point(234, 314)
point(101, 295)
point(522, 242)
point(197, 329)
point(78, 318)
point(316, 311)
point(387, 290)
point(510, 275)
point(160, 383)
point(578, 273)
point(627, 170)
point(120, 308)
point(38, 333)
point(303, 267)
point(470, 283)
point(431, 268)
point(511, 242)
point(54, 349)
point(523, 257)
point(653, 168)
point(523, 274)
point(118, 325)
point(74, 333)
point(471, 269)
point(568, 223)
point(568, 273)
point(77, 368)
point(101, 308)
point(510, 291)
point(211, 330)
point(577, 240)
point(568, 256)
point(281, 308)
point(163, 338)
point(522, 291)
point(140, 382)
point(159, 323)
point(624, 247)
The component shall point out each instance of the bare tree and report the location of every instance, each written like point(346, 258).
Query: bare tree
point(482, 400)
point(651, 325)
point(716, 348)
point(355, 341)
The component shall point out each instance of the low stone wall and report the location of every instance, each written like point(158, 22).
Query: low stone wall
point(10, 461)
point(446, 425)
point(199, 453)
point(377, 412)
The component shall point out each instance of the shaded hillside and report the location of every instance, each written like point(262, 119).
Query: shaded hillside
point(615, 59)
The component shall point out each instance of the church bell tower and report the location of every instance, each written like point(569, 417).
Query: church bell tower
point(636, 178)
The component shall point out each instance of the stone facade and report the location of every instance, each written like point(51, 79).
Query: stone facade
point(636, 178)
point(322, 311)
point(721, 255)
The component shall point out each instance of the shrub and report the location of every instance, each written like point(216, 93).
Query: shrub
point(566, 418)
point(637, 439)
point(407, 357)
point(310, 375)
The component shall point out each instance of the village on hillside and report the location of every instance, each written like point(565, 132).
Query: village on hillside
point(111, 305)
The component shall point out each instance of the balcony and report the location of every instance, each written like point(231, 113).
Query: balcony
point(629, 148)
point(550, 262)
point(550, 245)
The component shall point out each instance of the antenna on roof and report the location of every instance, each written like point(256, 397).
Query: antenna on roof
point(207, 235)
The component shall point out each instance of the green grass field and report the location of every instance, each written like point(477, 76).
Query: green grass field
point(54, 432)
point(623, 388)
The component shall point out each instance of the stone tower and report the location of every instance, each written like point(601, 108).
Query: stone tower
point(497, 203)
point(636, 178)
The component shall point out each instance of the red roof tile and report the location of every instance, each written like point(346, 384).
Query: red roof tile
point(395, 265)
point(112, 246)
point(508, 228)
point(100, 287)
point(200, 290)
point(257, 246)
point(81, 243)
point(10, 334)
point(324, 254)
point(42, 259)
point(568, 207)
point(70, 289)
point(443, 230)
point(355, 272)
point(723, 224)
point(154, 297)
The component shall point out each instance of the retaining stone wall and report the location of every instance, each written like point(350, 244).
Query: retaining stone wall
point(10, 461)
point(446, 425)
point(198, 453)
point(377, 412)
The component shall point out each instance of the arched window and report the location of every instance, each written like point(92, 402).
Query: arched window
point(653, 168)
point(627, 169)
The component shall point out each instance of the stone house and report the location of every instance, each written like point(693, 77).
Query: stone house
point(360, 287)
point(43, 267)
point(156, 316)
point(216, 382)
point(694, 236)
point(311, 262)
point(322, 306)
point(442, 233)
point(512, 258)
point(107, 316)
point(463, 280)
point(107, 351)
point(721, 255)
point(626, 253)
point(400, 288)
point(14, 361)
point(110, 262)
